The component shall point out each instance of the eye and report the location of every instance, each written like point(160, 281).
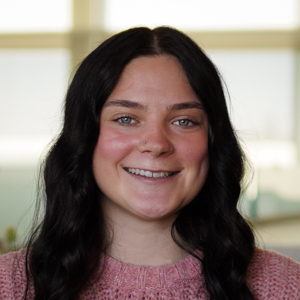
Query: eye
point(125, 120)
point(184, 123)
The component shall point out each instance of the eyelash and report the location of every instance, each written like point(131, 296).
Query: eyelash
point(121, 119)
point(190, 122)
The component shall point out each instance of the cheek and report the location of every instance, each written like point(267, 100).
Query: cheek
point(197, 163)
point(195, 151)
point(111, 148)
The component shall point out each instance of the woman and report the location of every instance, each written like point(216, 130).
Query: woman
point(142, 185)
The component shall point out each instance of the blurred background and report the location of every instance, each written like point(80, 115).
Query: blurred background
point(255, 44)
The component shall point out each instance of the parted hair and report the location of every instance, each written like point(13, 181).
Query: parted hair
point(66, 246)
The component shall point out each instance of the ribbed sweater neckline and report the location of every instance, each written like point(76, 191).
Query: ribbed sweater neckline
point(165, 276)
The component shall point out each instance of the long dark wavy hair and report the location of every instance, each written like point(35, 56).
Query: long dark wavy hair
point(65, 248)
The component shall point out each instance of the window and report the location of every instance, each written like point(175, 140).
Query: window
point(253, 43)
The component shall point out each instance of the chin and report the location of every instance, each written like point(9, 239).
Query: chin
point(152, 212)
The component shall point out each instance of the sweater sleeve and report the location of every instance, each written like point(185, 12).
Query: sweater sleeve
point(6, 262)
point(13, 276)
point(273, 276)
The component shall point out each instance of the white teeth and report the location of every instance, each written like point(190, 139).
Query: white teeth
point(149, 173)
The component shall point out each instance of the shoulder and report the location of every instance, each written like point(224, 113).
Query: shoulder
point(273, 276)
point(12, 275)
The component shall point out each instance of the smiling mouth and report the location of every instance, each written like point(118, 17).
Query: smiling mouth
point(147, 173)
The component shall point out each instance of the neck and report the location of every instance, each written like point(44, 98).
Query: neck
point(142, 242)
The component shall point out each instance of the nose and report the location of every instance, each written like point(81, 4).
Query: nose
point(155, 140)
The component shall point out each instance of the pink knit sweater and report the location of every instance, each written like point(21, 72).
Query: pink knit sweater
point(271, 276)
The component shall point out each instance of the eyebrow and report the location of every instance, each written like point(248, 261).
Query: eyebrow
point(125, 103)
point(185, 105)
point(137, 105)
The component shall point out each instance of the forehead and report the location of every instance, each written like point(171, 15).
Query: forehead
point(155, 68)
point(153, 78)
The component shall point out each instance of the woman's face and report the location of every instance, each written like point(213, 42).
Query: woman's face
point(151, 158)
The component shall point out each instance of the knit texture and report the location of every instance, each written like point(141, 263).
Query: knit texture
point(271, 276)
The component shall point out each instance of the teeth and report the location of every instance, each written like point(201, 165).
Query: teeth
point(149, 174)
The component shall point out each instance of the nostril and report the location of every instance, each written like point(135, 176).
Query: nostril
point(155, 145)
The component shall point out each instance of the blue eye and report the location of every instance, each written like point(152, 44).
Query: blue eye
point(184, 122)
point(125, 120)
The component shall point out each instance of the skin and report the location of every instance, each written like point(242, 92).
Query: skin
point(153, 103)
